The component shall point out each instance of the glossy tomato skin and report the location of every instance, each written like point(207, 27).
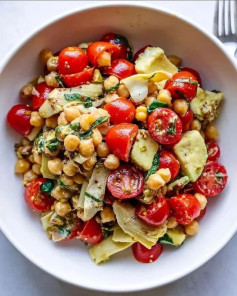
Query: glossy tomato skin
point(125, 182)
point(72, 80)
point(91, 232)
point(18, 118)
point(194, 72)
point(184, 208)
point(35, 199)
point(120, 139)
point(120, 68)
point(144, 255)
point(155, 213)
point(72, 60)
point(121, 111)
point(136, 55)
point(160, 123)
point(187, 120)
point(213, 150)
point(212, 180)
point(168, 160)
point(43, 91)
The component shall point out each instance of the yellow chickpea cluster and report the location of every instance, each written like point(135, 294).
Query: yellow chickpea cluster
point(159, 179)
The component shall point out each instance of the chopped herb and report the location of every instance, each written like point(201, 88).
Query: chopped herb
point(166, 240)
point(58, 130)
point(86, 244)
point(88, 102)
point(187, 81)
point(113, 88)
point(172, 128)
point(155, 165)
point(87, 134)
point(75, 126)
point(59, 80)
point(40, 142)
point(92, 197)
point(61, 184)
point(179, 70)
point(53, 145)
point(47, 186)
point(156, 104)
point(119, 39)
point(105, 231)
point(78, 97)
point(219, 175)
point(64, 232)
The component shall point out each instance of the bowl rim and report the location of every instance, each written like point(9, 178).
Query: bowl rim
point(6, 59)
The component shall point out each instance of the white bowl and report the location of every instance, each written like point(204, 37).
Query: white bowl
point(70, 261)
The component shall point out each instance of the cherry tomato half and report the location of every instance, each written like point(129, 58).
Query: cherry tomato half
point(120, 139)
point(202, 214)
point(35, 199)
point(43, 91)
point(212, 180)
point(72, 60)
point(72, 80)
point(144, 255)
point(184, 208)
point(121, 110)
point(18, 118)
point(164, 126)
point(91, 232)
point(120, 68)
point(168, 160)
point(136, 56)
point(74, 229)
point(125, 182)
point(155, 213)
point(194, 72)
point(213, 150)
point(187, 120)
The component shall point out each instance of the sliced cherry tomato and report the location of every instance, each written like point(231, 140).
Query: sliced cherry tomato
point(184, 208)
point(136, 56)
point(194, 72)
point(169, 161)
point(120, 139)
point(165, 126)
point(183, 85)
point(125, 182)
point(155, 213)
point(213, 150)
point(72, 80)
point(72, 60)
point(121, 110)
point(122, 42)
point(212, 180)
point(202, 214)
point(96, 49)
point(187, 120)
point(144, 255)
point(43, 91)
point(18, 118)
point(74, 229)
point(120, 68)
point(35, 199)
point(91, 232)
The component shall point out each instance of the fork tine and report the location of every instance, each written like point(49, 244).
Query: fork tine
point(216, 20)
point(229, 31)
point(223, 19)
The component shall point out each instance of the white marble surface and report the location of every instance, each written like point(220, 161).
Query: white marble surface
point(20, 277)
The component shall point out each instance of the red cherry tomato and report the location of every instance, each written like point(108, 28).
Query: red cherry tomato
point(120, 139)
point(43, 91)
point(194, 72)
point(121, 110)
point(109, 198)
point(155, 213)
point(164, 126)
point(182, 85)
point(72, 80)
point(136, 56)
point(212, 180)
point(144, 255)
point(122, 42)
point(96, 49)
point(74, 229)
point(91, 232)
point(120, 68)
point(125, 182)
point(187, 120)
point(213, 150)
point(202, 214)
point(168, 160)
point(72, 60)
point(35, 199)
point(184, 208)
point(18, 118)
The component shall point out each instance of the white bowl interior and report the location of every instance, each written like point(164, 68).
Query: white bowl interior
point(70, 261)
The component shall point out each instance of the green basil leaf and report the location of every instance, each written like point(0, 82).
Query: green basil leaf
point(92, 197)
point(58, 130)
point(47, 186)
point(74, 126)
point(73, 97)
point(64, 232)
point(52, 145)
point(105, 231)
point(156, 104)
point(61, 184)
point(172, 128)
point(166, 240)
point(59, 80)
point(88, 102)
point(113, 88)
point(40, 142)
point(87, 134)
point(155, 165)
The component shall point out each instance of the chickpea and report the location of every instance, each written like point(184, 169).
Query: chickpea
point(26, 91)
point(25, 142)
point(62, 208)
point(122, 91)
point(80, 214)
point(107, 215)
point(89, 163)
point(172, 223)
point(192, 228)
point(66, 180)
point(110, 97)
point(52, 121)
point(52, 63)
point(51, 80)
point(201, 199)
point(70, 168)
point(36, 120)
point(102, 150)
point(196, 125)
point(71, 142)
point(152, 87)
point(62, 119)
point(37, 158)
point(104, 59)
point(22, 166)
point(110, 82)
point(60, 193)
point(99, 113)
point(175, 60)
point(164, 96)
point(29, 176)
point(78, 178)
point(180, 106)
point(72, 113)
point(149, 100)
point(86, 147)
point(155, 181)
point(36, 169)
point(112, 162)
point(212, 132)
point(141, 113)
point(165, 174)
point(86, 121)
point(45, 54)
point(96, 137)
point(31, 158)
point(55, 166)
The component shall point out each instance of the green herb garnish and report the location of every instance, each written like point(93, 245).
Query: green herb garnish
point(59, 81)
point(40, 142)
point(61, 184)
point(78, 97)
point(166, 240)
point(92, 197)
point(64, 232)
point(88, 102)
point(105, 231)
point(155, 165)
point(75, 126)
point(113, 88)
point(87, 134)
point(52, 145)
point(156, 104)
point(47, 186)
point(172, 128)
